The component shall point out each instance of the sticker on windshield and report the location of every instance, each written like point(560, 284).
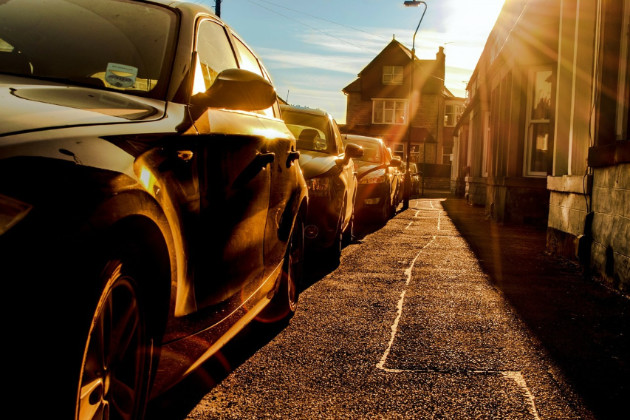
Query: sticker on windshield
point(120, 75)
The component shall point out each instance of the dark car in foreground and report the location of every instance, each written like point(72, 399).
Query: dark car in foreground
point(379, 183)
point(151, 202)
point(329, 170)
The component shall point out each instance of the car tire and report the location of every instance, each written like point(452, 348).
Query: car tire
point(392, 209)
point(334, 251)
point(348, 235)
point(285, 301)
point(118, 355)
point(385, 213)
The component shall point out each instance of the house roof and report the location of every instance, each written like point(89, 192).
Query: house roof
point(355, 86)
point(394, 45)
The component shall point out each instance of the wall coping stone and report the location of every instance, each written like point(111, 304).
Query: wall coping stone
point(570, 184)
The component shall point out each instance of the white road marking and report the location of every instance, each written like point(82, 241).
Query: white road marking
point(381, 363)
point(515, 376)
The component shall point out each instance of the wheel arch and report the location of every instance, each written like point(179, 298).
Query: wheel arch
point(134, 219)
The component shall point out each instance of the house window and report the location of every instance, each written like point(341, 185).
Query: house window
point(538, 122)
point(389, 111)
point(399, 150)
point(452, 112)
point(392, 75)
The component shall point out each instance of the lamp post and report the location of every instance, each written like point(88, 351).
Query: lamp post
point(407, 186)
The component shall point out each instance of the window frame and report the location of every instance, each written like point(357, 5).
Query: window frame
point(200, 76)
point(394, 76)
point(531, 122)
point(383, 102)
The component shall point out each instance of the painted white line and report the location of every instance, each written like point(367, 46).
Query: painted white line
point(381, 363)
point(517, 377)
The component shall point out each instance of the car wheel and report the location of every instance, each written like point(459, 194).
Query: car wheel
point(115, 369)
point(348, 235)
point(335, 250)
point(385, 212)
point(284, 303)
point(392, 209)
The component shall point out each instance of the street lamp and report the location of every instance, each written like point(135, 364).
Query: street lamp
point(407, 186)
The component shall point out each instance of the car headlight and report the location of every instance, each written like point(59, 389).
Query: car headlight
point(375, 177)
point(318, 186)
point(11, 212)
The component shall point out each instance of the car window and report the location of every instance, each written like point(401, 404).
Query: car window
point(105, 44)
point(337, 136)
point(310, 131)
point(371, 150)
point(248, 61)
point(214, 55)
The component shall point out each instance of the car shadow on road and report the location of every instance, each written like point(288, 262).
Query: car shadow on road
point(179, 401)
point(318, 264)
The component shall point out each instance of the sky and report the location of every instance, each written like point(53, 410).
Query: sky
point(313, 49)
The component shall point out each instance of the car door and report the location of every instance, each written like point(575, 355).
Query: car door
point(234, 184)
point(281, 143)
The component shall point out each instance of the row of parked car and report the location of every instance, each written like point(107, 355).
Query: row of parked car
point(152, 199)
point(350, 178)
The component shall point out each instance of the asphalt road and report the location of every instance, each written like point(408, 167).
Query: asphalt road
point(408, 326)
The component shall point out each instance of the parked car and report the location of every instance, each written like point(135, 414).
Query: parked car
point(415, 179)
point(329, 170)
point(151, 203)
point(378, 193)
point(399, 170)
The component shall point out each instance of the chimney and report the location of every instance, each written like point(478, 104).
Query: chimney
point(440, 58)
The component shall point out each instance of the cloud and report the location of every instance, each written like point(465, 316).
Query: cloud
point(283, 59)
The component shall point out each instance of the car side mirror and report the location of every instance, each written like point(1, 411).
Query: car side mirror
point(353, 151)
point(237, 89)
point(395, 162)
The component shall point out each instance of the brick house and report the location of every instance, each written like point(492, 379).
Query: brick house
point(545, 135)
point(378, 103)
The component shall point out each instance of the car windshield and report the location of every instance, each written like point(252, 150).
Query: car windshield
point(108, 44)
point(309, 130)
point(371, 150)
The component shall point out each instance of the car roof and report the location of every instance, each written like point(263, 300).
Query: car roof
point(362, 138)
point(304, 110)
point(177, 4)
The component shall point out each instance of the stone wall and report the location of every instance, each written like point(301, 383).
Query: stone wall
point(568, 210)
point(610, 250)
point(475, 191)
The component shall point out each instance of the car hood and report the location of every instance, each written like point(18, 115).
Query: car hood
point(314, 164)
point(31, 105)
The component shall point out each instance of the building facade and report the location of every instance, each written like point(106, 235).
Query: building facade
point(380, 103)
point(545, 138)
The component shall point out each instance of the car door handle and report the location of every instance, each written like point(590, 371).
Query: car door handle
point(185, 155)
point(293, 155)
point(263, 159)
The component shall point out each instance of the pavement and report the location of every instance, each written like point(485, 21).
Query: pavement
point(583, 324)
point(440, 313)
